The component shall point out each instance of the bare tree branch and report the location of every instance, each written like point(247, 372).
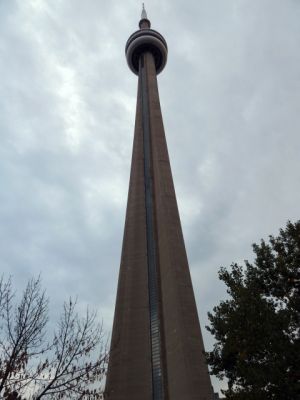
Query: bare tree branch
point(71, 366)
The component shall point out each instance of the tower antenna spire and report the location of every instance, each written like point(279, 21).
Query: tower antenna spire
point(144, 14)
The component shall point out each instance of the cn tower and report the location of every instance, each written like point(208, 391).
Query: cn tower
point(156, 347)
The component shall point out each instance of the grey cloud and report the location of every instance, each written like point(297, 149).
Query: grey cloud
point(230, 100)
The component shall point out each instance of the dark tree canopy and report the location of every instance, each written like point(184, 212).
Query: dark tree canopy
point(257, 328)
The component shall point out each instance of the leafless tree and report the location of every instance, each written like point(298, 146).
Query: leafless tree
point(70, 366)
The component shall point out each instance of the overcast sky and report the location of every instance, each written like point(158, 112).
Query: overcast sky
point(230, 97)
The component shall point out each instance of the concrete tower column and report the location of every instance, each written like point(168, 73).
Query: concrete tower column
point(157, 347)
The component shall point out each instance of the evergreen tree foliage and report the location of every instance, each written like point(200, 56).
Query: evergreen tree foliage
point(257, 328)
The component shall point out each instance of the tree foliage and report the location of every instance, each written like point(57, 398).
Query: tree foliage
point(257, 328)
point(69, 366)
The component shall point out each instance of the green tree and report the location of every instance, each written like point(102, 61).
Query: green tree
point(256, 329)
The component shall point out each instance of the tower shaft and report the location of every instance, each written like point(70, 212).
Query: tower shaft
point(157, 347)
point(156, 350)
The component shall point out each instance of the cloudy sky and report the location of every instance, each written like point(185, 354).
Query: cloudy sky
point(230, 98)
